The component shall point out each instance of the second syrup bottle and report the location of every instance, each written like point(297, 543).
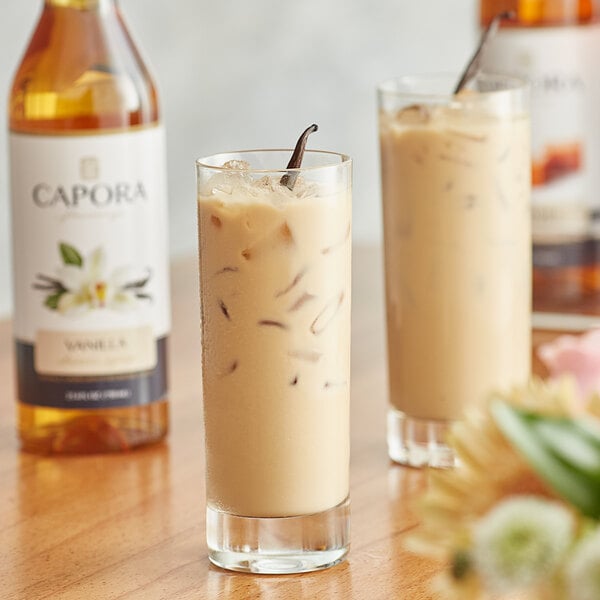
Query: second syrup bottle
point(555, 44)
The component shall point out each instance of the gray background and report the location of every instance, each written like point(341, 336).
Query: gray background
point(254, 74)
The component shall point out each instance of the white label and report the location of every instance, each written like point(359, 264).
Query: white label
point(90, 249)
point(562, 66)
point(95, 353)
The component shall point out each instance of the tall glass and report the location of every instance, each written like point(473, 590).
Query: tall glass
point(456, 190)
point(275, 297)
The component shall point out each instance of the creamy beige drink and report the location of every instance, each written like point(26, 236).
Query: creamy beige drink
point(275, 292)
point(457, 248)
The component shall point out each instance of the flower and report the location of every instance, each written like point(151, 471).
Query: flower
point(490, 472)
point(575, 356)
point(488, 463)
point(87, 286)
point(583, 570)
point(83, 285)
point(520, 542)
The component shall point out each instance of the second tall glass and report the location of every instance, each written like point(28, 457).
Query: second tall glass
point(456, 189)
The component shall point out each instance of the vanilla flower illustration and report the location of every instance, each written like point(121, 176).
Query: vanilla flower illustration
point(84, 284)
point(520, 542)
point(583, 570)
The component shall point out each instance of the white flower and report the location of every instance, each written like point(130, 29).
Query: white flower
point(583, 570)
point(520, 542)
point(88, 286)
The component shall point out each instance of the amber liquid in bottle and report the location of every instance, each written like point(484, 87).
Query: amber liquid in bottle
point(81, 75)
point(554, 43)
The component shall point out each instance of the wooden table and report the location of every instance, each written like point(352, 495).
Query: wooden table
point(131, 526)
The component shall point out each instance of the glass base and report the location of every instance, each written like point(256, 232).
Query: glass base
point(278, 545)
point(418, 442)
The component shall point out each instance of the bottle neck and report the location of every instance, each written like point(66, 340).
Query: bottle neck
point(99, 5)
point(555, 11)
point(542, 12)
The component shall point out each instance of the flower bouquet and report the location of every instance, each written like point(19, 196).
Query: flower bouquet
point(518, 518)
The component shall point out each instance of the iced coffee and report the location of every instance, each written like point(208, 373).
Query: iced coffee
point(275, 296)
point(456, 183)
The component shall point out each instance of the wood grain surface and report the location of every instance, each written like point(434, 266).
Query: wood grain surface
point(131, 526)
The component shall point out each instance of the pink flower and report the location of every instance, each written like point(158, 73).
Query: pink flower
point(577, 356)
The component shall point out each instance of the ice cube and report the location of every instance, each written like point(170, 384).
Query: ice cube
point(238, 183)
point(415, 114)
point(261, 187)
point(237, 165)
point(236, 176)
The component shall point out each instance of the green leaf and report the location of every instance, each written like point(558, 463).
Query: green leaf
point(573, 443)
point(52, 301)
point(70, 255)
point(137, 284)
point(564, 452)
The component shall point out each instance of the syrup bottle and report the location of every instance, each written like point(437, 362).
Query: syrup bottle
point(555, 44)
point(89, 215)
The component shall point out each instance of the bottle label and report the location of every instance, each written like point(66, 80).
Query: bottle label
point(561, 64)
point(90, 268)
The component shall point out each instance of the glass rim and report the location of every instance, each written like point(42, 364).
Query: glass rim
point(390, 87)
point(345, 160)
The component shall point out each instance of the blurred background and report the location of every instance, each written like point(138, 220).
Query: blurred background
point(235, 75)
